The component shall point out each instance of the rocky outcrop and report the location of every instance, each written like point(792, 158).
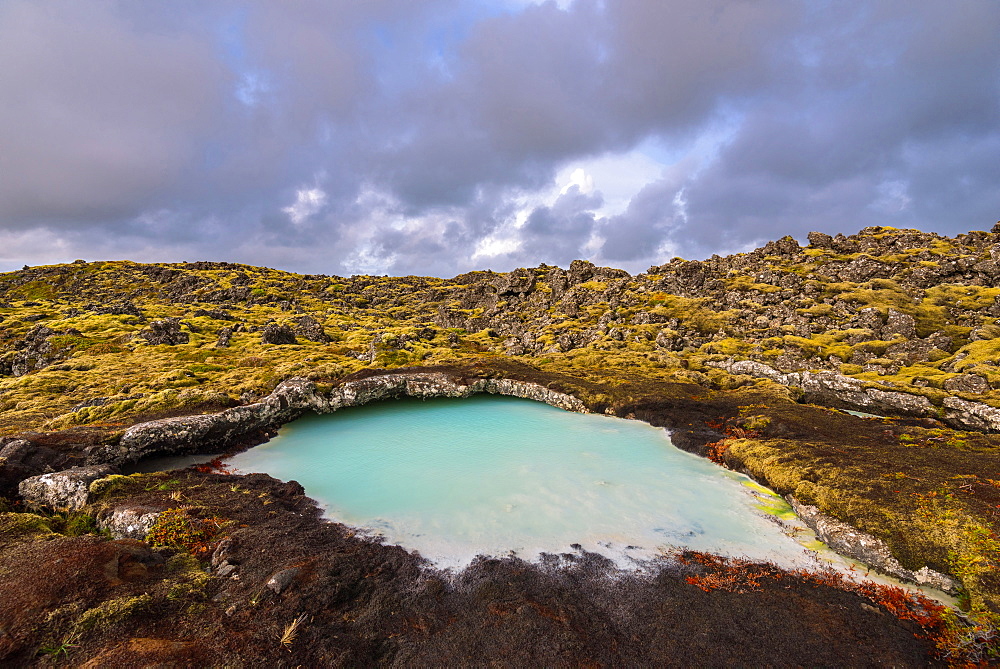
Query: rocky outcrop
point(67, 490)
point(294, 397)
point(309, 328)
point(865, 548)
point(36, 351)
point(968, 415)
point(166, 331)
point(823, 387)
point(837, 390)
point(277, 334)
point(122, 308)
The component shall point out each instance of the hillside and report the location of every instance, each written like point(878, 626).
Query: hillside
point(746, 358)
point(895, 309)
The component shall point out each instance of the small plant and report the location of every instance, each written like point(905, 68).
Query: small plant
point(291, 631)
point(61, 648)
point(176, 528)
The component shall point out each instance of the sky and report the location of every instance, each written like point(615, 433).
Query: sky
point(434, 137)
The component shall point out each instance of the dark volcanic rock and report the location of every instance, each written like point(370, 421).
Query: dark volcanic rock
point(37, 351)
point(225, 334)
point(123, 308)
point(166, 331)
point(277, 334)
point(218, 315)
point(309, 327)
point(20, 459)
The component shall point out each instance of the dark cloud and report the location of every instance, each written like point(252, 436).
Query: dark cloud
point(98, 120)
point(426, 130)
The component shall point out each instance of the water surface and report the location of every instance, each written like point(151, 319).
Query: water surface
point(495, 475)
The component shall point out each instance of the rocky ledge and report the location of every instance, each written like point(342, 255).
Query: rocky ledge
point(294, 397)
point(867, 549)
point(838, 390)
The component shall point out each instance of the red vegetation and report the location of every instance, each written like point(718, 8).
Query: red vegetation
point(214, 466)
point(957, 641)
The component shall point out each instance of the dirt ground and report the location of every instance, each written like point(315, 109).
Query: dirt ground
point(361, 603)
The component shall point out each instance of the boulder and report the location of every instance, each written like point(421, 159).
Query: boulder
point(280, 580)
point(277, 334)
point(166, 331)
point(129, 521)
point(309, 328)
point(67, 490)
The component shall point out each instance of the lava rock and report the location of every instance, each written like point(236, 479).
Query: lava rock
point(280, 581)
point(67, 490)
point(309, 327)
point(166, 331)
point(130, 521)
point(277, 334)
point(967, 383)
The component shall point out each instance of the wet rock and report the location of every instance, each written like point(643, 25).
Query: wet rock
point(277, 334)
point(166, 331)
point(67, 490)
point(129, 521)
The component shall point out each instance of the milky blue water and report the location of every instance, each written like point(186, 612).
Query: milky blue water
point(494, 475)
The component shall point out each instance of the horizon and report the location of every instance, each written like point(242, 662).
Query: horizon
point(801, 242)
point(435, 137)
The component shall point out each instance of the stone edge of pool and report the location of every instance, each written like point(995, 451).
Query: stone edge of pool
point(233, 428)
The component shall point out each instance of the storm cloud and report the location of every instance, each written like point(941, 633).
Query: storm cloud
point(439, 136)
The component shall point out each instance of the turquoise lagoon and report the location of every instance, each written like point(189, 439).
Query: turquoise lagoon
point(489, 475)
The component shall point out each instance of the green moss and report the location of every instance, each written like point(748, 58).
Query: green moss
point(110, 485)
point(14, 525)
point(113, 612)
point(33, 290)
